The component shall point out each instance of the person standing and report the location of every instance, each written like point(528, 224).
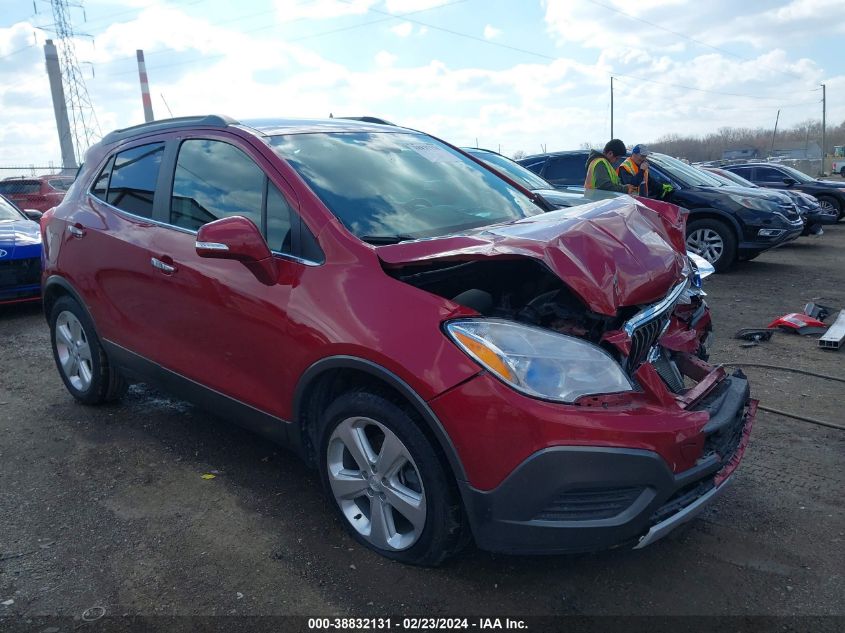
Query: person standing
point(600, 171)
point(634, 169)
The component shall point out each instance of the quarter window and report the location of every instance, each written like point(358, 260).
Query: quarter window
point(279, 236)
point(133, 179)
point(767, 174)
point(214, 180)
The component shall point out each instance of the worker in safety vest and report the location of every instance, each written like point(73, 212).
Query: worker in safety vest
point(600, 171)
point(634, 169)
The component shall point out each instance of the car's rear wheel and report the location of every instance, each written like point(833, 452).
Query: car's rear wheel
point(714, 241)
point(842, 172)
point(386, 481)
point(79, 357)
point(831, 205)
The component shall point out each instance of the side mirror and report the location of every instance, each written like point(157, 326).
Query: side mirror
point(33, 214)
point(237, 238)
point(789, 181)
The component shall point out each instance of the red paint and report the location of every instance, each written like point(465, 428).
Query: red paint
point(42, 199)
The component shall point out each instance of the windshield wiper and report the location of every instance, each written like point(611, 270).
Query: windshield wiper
point(386, 239)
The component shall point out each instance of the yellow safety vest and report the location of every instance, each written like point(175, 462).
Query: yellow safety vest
point(590, 181)
point(630, 166)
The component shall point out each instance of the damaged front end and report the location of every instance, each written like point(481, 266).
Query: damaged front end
point(602, 311)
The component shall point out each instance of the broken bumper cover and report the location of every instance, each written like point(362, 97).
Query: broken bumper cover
point(568, 499)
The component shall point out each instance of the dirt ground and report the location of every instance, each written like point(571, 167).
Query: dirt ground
point(107, 507)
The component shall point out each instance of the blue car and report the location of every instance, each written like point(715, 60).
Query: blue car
point(20, 255)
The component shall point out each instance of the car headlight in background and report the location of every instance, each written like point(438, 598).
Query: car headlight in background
point(537, 362)
point(758, 204)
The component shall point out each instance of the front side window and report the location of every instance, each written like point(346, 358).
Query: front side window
point(743, 172)
point(214, 180)
point(60, 184)
point(133, 179)
point(391, 186)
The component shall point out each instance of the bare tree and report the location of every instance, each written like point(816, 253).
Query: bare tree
point(519, 154)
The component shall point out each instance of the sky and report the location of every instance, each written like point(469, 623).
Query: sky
point(508, 75)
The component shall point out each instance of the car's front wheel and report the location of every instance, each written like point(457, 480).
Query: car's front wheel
point(387, 483)
point(714, 241)
point(831, 205)
point(80, 359)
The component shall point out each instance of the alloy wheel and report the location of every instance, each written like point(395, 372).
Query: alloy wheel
point(74, 351)
point(376, 483)
point(707, 243)
point(827, 205)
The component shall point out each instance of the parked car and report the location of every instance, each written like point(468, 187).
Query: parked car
point(829, 193)
point(456, 362)
point(556, 199)
point(815, 216)
point(725, 224)
point(39, 193)
point(20, 255)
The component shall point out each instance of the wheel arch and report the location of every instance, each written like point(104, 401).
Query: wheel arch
point(56, 287)
point(709, 213)
point(329, 377)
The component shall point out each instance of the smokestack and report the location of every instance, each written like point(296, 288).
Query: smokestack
point(145, 87)
point(54, 73)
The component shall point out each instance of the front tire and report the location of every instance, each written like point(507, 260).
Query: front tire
point(389, 487)
point(80, 359)
point(831, 204)
point(714, 241)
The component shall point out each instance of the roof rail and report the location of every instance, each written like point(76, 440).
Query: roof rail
point(163, 125)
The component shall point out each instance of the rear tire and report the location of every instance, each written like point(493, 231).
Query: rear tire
point(80, 359)
point(385, 480)
point(714, 241)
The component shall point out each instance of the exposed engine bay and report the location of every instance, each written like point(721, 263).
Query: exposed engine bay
point(526, 291)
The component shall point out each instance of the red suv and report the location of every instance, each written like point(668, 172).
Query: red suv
point(456, 361)
point(39, 193)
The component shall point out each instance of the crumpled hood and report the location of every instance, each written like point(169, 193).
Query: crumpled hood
point(20, 238)
point(612, 253)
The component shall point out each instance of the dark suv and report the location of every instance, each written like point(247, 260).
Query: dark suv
point(456, 362)
point(725, 224)
point(829, 193)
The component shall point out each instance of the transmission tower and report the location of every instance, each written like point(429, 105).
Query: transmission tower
point(85, 128)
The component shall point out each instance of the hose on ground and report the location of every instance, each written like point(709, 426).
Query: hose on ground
point(794, 370)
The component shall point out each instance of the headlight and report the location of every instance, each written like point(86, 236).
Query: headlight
point(537, 362)
point(758, 204)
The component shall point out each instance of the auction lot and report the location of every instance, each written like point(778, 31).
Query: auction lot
point(107, 507)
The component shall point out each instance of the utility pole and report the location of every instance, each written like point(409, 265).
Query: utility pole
point(824, 114)
point(54, 74)
point(611, 106)
point(772, 148)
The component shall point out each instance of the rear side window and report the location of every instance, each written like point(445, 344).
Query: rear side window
point(745, 172)
point(60, 184)
point(534, 164)
point(215, 180)
point(133, 179)
point(566, 170)
point(18, 187)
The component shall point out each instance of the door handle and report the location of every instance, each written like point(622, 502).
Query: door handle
point(162, 266)
point(77, 230)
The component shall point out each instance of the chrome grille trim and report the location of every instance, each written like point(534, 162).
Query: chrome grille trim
point(656, 310)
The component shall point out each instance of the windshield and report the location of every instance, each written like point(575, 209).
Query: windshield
point(794, 173)
point(8, 211)
point(512, 170)
point(685, 174)
point(384, 185)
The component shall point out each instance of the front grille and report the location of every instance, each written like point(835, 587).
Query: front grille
point(20, 272)
point(642, 340)
point(589, 505)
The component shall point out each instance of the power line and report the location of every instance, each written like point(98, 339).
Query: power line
point(687, 37)
point(714, 92)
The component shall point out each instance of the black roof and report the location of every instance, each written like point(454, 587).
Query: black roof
point(569, 152)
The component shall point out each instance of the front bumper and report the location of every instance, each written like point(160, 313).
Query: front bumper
point(566, 499)
point(754, 243)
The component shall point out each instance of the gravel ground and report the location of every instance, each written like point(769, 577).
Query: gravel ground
point(107, 507)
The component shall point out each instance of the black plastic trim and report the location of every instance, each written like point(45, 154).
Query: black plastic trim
point(168, 125)
point(374, 369)
point(220, 405)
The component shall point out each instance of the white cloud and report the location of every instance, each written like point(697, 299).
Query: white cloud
point(290, 10)
point(491, 32)
point(407, 6)
point(385, 59)
point(403, 29)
